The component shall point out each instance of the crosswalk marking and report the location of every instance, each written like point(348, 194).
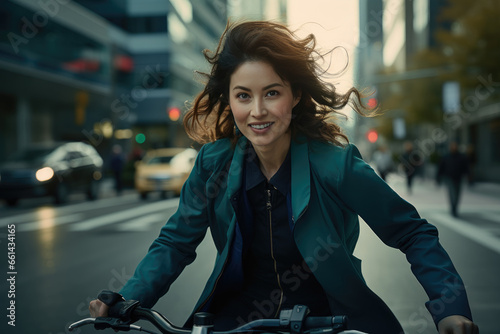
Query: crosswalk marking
point(464, 228)
point(49, 222)
point(68, 209)
point(141, 223)
point(123, 215)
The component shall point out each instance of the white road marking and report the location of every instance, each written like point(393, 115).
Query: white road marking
point(472, 232)
point(123, 215)
point(142, 223)
point(49, 222)
point(91, 205)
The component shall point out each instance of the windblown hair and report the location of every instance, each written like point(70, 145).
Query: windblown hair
point(294, 60)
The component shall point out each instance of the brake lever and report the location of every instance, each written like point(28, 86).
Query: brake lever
point(80, 323)
point(105, 322)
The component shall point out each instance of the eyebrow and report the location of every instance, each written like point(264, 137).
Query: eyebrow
point(265, 88)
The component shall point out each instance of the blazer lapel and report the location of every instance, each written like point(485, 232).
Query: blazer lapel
point(301, 178)
point(236, 169)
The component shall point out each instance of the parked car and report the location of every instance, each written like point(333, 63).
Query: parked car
point(55, 169)
point(164, 170)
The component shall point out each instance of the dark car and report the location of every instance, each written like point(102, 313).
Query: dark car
point(51, 170)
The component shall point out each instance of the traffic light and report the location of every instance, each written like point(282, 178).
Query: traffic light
point(372, 102)
point(372, 99)
point(140, 138)
point(174, 114)
point(372, 136)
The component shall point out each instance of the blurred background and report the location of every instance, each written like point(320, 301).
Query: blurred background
point(120, 71)
point(116, 74)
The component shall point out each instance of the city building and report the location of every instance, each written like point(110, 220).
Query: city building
point(392, 32)
point(56, 69)
point(368, 64)
point(103, 72)
point(408, 28)
point(258, 10)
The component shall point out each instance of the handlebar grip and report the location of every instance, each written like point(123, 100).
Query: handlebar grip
point(104, 323)
point(337, 322)
point(118, 306)
point(123, 310)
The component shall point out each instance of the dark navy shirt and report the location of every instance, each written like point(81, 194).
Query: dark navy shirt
point(275, 274)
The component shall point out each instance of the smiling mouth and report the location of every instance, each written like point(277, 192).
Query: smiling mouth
point(261, 126)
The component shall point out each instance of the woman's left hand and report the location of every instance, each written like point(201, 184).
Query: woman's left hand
point(457, 324)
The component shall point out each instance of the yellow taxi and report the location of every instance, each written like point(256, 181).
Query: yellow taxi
point(164, 170)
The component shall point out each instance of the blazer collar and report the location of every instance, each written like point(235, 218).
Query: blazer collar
point(236, 169)
point(301, 177)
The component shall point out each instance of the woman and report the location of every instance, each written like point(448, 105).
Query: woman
point(281, 191)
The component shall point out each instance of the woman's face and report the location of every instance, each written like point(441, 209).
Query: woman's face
point(261, 103)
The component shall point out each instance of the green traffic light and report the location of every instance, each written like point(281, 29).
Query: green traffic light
point(140, 138)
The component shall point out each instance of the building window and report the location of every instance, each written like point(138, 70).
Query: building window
point(147, 24)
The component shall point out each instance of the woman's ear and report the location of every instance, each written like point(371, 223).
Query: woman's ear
point(296, 97)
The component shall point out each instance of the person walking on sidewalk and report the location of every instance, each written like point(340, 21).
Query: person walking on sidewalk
point(452, 168)
point(411, 162)
point(382, 158)
point(117, 164)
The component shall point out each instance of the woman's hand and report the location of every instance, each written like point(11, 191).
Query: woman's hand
point(457, 324)
point(98, 309)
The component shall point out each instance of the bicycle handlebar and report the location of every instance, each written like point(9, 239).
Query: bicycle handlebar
point(294, 321)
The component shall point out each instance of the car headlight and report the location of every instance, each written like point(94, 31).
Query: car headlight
point(44, 174)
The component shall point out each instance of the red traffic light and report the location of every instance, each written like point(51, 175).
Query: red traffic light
point(174, 114)
point(372, 136)
point(372, 102)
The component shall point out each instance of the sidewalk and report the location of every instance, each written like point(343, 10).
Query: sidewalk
point(426, 192)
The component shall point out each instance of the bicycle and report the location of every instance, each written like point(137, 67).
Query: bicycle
point(294, 321)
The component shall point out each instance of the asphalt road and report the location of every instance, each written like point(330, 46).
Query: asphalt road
point(64, 255)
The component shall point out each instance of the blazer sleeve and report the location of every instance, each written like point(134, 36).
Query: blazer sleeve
point(398, 224)
point(175, 246)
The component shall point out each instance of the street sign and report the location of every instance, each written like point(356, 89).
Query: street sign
point(399, 128)
point(451, 97)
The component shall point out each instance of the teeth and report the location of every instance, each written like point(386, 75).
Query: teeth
point(260, 126)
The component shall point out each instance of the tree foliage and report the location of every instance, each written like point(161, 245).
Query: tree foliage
point(470, 50)
point(472, 47)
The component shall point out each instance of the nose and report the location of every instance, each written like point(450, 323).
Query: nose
point(259, 108)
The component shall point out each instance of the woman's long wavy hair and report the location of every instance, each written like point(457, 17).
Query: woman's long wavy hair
point(294, 60)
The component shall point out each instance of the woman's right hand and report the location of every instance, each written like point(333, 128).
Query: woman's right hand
point(98, 309)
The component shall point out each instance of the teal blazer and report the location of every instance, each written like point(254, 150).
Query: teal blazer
point(331, 186)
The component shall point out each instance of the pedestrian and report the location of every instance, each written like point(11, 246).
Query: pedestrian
point(411, 162)
point(281, 189)
point(382, 158)
point(452, 168)
point(117, 164)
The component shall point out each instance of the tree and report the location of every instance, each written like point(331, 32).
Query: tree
point(469, 53)
point(472, 47)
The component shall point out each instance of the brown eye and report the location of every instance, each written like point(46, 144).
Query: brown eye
point(242, 96)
